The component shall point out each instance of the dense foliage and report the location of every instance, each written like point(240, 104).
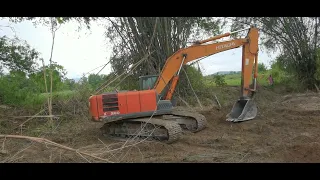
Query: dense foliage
point(155, 39)
point(297, 39)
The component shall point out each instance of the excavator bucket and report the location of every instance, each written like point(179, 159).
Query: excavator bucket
point(243, 110)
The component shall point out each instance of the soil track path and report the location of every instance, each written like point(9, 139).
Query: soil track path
point(286, 130)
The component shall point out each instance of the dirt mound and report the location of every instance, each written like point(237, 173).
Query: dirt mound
point(306, 102)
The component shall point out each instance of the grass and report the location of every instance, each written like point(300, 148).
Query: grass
point(235, 79)
point(60, 95)
point(230, 79)
point(35, 101)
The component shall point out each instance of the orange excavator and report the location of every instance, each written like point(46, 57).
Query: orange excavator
point(149, 113)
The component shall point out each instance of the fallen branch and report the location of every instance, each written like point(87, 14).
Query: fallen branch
point(53, 116)
point(185, 102)
point(217, 101)
point(134, 66)
point(48, 142)
point(193, 89)
point(32, 117)
point(5, 107)
point(243, 157)
point(317, 88)
point(54, 28)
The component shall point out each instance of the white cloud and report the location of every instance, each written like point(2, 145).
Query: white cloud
point(80, 52)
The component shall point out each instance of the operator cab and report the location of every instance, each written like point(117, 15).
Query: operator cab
point(147, 82)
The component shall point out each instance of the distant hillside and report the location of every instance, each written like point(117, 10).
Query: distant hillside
point(224, 73)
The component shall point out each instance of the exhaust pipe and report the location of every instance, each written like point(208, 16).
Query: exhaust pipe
point(243, 110)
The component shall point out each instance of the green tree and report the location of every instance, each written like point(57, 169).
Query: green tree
point(95, 80)
point(296, 37)
point(190, 76)
point(219, 80)
point(15, 88)
point(135, 37)
point(262, 67)
point(70, 84)
point(317, 74)
point(17, 55)
point(58, 76)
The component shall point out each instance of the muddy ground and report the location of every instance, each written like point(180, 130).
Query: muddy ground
point(285, 130)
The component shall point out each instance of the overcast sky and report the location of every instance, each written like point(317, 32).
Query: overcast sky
point(80, 52)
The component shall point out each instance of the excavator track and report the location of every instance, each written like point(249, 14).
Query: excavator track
point(143, 128)
point(199, 119)
point(166, 128)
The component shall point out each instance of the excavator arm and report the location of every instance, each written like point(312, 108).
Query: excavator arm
point(170, 73)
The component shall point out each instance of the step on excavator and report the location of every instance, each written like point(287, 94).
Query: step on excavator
point(150, 114)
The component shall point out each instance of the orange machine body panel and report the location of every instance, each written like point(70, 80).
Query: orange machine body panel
point(148, 100)
point(123, 108)
point(122, 103)
point(133, 101)
point(95, 107)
